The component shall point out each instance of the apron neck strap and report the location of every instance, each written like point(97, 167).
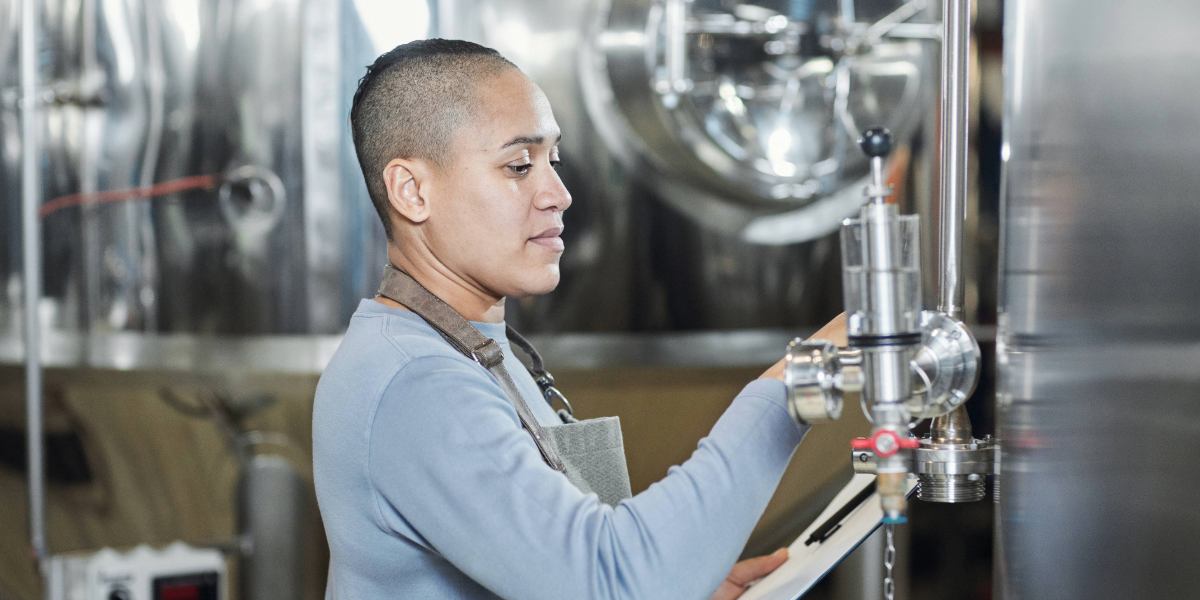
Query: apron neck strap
point(401, 288)
point(536, 366)
point(544, 379)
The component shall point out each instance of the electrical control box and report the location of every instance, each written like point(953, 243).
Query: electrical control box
point(177, 572)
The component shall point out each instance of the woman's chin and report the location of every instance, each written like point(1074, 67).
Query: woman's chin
point(540, 281)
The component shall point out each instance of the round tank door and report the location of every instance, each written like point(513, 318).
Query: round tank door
point(744, 115)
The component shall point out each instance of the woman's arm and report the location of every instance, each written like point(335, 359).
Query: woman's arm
point(449, 460)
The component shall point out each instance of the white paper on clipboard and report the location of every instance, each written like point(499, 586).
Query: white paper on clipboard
point(811, 557)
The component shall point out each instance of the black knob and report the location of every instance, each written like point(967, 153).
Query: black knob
point(876, 142)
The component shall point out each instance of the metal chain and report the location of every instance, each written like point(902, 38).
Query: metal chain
point(889, 561)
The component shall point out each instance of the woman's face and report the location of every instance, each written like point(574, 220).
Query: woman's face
point(496, 207)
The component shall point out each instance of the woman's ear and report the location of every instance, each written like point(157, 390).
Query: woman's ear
point(402, 179)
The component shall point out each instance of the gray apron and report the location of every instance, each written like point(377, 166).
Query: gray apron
point(590, 453)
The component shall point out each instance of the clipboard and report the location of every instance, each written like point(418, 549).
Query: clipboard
point(852, 516)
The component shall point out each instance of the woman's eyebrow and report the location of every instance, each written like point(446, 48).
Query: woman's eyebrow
point(529, 139)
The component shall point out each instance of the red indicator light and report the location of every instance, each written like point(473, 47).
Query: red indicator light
point(179, 592)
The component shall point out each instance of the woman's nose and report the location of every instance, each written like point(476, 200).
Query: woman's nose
point(553, 195)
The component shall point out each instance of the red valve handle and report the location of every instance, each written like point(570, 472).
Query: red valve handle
point(897, 443)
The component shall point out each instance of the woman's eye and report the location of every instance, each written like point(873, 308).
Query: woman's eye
point(556, 163)
point(521, 169)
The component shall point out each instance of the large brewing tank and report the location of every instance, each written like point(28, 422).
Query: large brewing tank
point(1099, 329)
point(709, 145)
point(140, 93)
point(703, 204)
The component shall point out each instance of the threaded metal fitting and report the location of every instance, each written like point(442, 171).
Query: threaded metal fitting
point(951, 488)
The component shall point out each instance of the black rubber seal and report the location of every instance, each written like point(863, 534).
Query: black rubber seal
point(876, 341)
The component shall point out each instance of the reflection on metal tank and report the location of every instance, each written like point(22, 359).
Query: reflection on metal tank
point(708, 146)
point(1099, 330)
point(758, 103)
point(251, 94)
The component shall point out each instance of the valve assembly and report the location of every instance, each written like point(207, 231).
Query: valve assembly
point(908, 364)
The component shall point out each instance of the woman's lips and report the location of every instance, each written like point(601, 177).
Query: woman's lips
point(553, 243)
point(550, 239)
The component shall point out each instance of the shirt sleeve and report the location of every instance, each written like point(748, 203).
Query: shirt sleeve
point(448, 457)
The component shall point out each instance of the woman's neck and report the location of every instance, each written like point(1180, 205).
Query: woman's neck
point(466, 297)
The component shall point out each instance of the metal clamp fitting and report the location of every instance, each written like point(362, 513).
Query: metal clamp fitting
point(816, 379)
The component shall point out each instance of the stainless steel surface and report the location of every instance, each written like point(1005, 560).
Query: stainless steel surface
point(956, 87)
point(31, 197)
point(947, 367)
point(1098, 350)
point(976, 463)
point(307, 355)
point(881, 278)
point(747, 110)
point(951, 464)
point(948, 471)
point(321, 92)
point(878, 191)
point(775, 160)
point(952, 489)
point(143, 92)
point(881, 275)
point(915, 364)
point(951, 428)
point(882, 289)
point(235, 357)
point(816, 380)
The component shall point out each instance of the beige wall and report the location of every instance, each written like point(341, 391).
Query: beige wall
point(159, 476)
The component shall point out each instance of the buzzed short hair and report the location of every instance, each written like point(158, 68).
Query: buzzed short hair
point(412, 101)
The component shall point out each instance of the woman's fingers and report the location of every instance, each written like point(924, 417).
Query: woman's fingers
point(755, 568)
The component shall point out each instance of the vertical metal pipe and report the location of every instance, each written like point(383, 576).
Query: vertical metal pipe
point(675, 51)
point(956, 39)
point(847, 11)
point(877, 179)
point(32, 238)
point(320, 110)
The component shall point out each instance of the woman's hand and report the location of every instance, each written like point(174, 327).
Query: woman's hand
point(834, 331)
point(747, 571)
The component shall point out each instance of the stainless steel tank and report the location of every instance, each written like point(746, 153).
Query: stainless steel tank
point(1098, 333)
point(145, 93)
point(706, 146)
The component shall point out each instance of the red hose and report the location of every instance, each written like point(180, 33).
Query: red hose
point(195, 182)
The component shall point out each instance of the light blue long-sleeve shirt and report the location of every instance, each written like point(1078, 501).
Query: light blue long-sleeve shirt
point(430, 489)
